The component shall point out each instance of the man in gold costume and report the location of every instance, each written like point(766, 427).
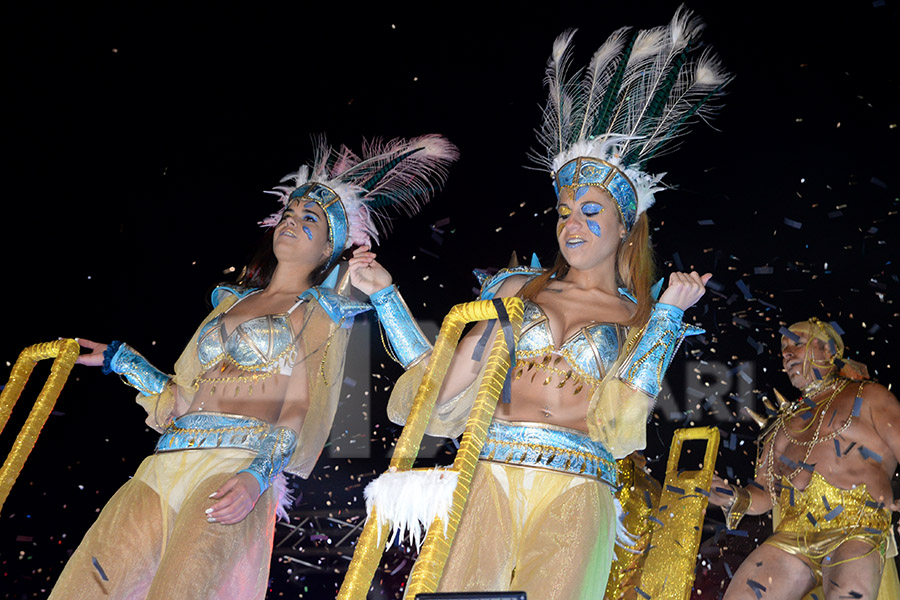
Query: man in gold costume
point(824, 469)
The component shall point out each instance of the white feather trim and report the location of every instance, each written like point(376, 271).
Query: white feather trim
point(410, 500)
point(624, 538)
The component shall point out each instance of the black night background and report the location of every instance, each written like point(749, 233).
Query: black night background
point(140, 136)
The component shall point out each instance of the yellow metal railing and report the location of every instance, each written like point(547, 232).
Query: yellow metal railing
point(668, 572)
point(428, 568)
point(64, 353)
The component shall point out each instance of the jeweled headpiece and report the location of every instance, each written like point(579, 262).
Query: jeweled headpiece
point(353, 191)
point(639, 91)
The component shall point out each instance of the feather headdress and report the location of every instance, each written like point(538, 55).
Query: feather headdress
point(639, 91)
point(355, 191)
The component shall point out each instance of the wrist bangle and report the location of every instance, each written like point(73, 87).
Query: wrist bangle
point(647, 362)
point(405, 340)
point(274, 455)
point(739, 507)
point(134, 369)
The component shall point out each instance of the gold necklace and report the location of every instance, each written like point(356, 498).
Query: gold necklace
point(781, 423)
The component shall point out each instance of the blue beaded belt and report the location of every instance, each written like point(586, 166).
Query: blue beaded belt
point(213, 430)
point(550, 447)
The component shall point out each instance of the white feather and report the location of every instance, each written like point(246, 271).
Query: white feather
point(410, 500)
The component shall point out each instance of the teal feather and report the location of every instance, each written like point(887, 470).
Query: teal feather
point(678, 124)
point(378, 175)
point(658, 102)
point(604, 113)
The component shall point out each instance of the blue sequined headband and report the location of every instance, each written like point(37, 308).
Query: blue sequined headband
point(585, 170)
point(327, 198)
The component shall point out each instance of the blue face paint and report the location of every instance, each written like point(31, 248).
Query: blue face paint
point(581, 192)
point(309, 233)
point(594, 227)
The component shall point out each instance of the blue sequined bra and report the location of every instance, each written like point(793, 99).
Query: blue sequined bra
point(261, 344)
point(590, 352)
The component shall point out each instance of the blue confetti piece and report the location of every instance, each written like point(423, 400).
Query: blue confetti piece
point(725, 491)
point(737, 532)
point(812, 519)
point(642, 592)
point(789, 334)
point(806, 416)
point(837, 447)
point(825, 502)
point(757, 588)
point(100, 570)
point(657, 521)
point(676, 490)
point(837, 328)
point(699, 491)
point(869, 454)
point(763, 270)
point(744, 289)
point(857, 406)
point(834, 512)
point(849, 448)
point(728, 571)
point(873, 530)
point(793, 223)
point(791, 499)
point(647, 499)
point(756, 485)
point(706, 222)
point(678, 264)
point(787, 461)
point(808, 402)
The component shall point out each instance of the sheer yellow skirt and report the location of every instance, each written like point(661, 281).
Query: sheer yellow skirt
point(547, 533)
point(152, 539)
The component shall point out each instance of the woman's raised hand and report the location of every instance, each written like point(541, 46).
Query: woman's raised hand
point(94, 358)
point(366, 274)
point(685, 289)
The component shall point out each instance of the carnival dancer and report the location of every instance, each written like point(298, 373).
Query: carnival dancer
point(253, 394)
point(594, 346)
point(824, 469)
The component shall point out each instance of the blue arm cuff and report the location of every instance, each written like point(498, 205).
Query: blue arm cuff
point(407, 342)
point(274, 455)
point(108, 354)
point(134, 369)
point(646, 364)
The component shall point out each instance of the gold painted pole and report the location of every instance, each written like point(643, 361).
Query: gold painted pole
point(64, 353)
point(669, 568)
point(429, 567)
point(369, 547)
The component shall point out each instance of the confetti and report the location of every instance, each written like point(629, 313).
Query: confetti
point(857, 407)
point(100, 570)
point(793, 223)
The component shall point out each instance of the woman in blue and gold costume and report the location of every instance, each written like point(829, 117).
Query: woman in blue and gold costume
point(540, 515)
point(254, 393)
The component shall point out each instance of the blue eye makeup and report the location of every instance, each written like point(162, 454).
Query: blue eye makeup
point(590, 209)
point(307, 231)
point(594, 227)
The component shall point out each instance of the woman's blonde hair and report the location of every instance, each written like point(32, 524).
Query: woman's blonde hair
point(635, 271)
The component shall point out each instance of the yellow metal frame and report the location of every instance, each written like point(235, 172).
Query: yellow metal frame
point(668, 572)
point(430, 565)
point(64, 353)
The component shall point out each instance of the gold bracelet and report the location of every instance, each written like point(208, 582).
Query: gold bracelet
point(739, 507)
